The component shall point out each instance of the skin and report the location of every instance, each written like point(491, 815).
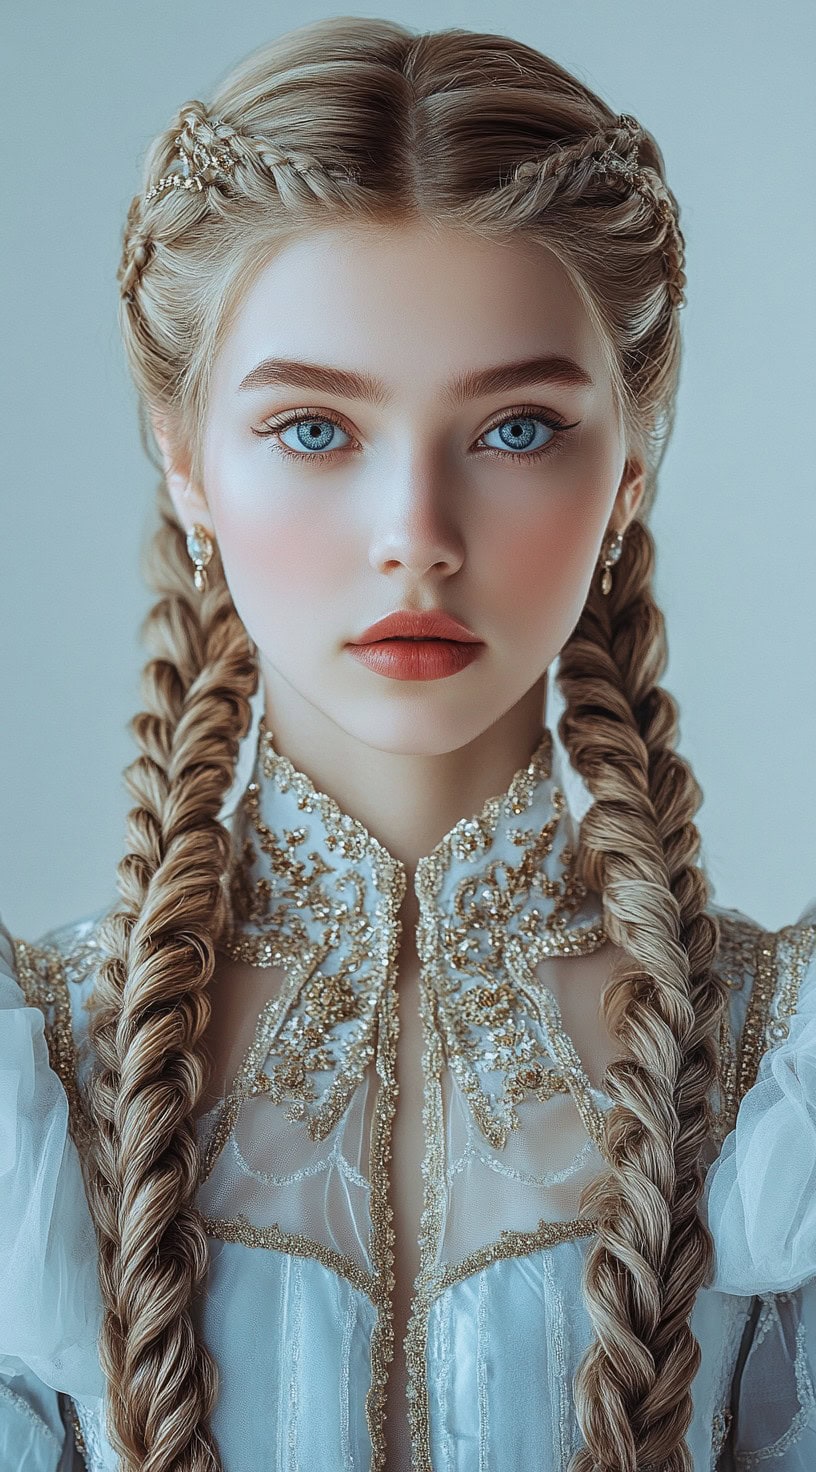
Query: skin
point(411, 511)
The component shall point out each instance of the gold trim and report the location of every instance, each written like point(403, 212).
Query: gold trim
point(512, 1244)
point(725, 1118)
point(542, 1001)
point(79, 1435)
point(430, 1225)
point(381, 1210)
point(272, 1239)
point(782, 960)
point(735, 962)
point(751, 1042)
point(795, 946)
point(41, 974)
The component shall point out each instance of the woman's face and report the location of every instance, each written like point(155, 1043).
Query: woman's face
point(429, 470)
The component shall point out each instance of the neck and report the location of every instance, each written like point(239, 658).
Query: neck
point(407, 800)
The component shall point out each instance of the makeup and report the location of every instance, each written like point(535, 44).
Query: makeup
point(415, 659)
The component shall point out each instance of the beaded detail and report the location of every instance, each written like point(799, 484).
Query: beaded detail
point(321, 899)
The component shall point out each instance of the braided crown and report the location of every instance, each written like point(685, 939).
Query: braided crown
point(208, 150)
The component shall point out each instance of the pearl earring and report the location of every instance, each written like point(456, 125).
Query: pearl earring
point(611, 555)
point(200, 548)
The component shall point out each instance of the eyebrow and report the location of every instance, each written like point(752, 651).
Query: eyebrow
point(347, 384)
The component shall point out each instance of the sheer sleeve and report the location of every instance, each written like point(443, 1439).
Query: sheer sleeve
point(775, 1421)
point(33, 1435)
point(50, 1303)
point(760, 1192)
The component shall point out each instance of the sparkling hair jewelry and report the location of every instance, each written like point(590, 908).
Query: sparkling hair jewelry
point(200, 548)
point(204, 159)
point(193, 166)
point(611, 555)
point(208, 149)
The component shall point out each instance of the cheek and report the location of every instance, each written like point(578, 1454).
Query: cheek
point(284, 569)
point(543, 571)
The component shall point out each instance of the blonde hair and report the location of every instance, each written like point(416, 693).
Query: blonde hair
point(365, 120)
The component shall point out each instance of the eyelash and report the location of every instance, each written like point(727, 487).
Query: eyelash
point(524, 411)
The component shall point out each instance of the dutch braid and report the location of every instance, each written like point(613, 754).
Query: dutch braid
point(210, 152)
point(569, 170)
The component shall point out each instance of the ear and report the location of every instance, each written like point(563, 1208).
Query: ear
point(188, 499)
point(629, 495)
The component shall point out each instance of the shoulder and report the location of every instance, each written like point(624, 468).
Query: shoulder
point(50, 1307)
point(56, 973)
point(764, 971)
point(760, 1191)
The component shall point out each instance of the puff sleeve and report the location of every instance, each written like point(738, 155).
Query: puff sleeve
point(760, 1192)
point(50, 1301)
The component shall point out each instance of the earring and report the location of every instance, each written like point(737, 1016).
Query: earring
point(611, 555)
point(200, 548)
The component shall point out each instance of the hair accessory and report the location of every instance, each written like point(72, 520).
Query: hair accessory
point(200, 548)
point(201, 160)
point(626, 163)
point(611, 555)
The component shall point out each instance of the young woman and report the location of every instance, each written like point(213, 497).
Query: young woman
point(413, 1105)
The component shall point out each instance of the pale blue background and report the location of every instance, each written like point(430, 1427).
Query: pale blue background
point(727, 90)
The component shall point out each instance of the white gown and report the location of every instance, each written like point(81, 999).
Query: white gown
point(294, 1169)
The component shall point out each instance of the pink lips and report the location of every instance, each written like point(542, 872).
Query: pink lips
point(408, 645)
point(408, 624)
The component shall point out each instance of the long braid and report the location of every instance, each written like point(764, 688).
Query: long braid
point(639, 848)
point(150, 1011)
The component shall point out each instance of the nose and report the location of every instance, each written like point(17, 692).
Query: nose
point(416, 527)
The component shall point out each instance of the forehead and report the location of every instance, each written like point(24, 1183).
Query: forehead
point(412, 302)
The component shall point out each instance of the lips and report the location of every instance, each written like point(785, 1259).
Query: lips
point(410, 624)
point(416, 659)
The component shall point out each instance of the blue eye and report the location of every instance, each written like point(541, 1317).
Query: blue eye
point(521, 434)
point(311, 434)
point(315, 436)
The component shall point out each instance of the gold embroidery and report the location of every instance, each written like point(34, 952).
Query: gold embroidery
point(327, 1024)
point(433, 1284)
point(782, 959)
point(724, 1118)
point(42, 977)
point(239, 1229)
point(750, 1049)
point(471, 933)
point(79, 1436)
point(737, 952)
point(474, 1010)
point(481, 1023)
point(513, 1244)
point(795, 945)
point(736, 962)
point(541, 999)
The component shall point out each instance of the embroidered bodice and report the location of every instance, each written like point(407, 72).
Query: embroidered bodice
point(294, 1182)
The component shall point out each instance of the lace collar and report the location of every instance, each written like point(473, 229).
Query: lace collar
point(313, 891)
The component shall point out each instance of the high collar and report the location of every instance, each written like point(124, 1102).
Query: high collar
point(302, 866)
point(312, 891)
